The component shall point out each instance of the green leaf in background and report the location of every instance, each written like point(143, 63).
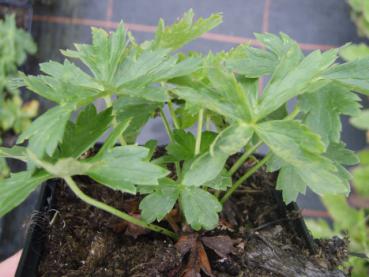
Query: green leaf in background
point(84, 133)
point(343, 215)
point(123, 167)
point(232, 139)
point(361, 121)
point(361, 180)
point(354, 75)
point(200, 208)
point(47, 131)
point(139, 110)
point(158, 204)
point(184, 30)
point(324, 107)
point(204, 169)
point(320, 228)
point(361, 174)
point(182, 146)
point(14, 190)
point(354, 52)
point(16, 44)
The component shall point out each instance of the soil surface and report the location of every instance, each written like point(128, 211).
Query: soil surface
point(254, 238)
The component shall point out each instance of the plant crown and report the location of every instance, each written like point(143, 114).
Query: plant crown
point(217, 92)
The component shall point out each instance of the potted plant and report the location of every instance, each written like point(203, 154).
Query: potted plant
point(204, 203)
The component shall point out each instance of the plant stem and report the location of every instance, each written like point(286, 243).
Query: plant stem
point(208, 122)
point(173, 114)
point(294, 113)
point(166, 124)
point(170, 135)
point(241, 180)
point(199, 131)
point(244, 157)
point(89, 200)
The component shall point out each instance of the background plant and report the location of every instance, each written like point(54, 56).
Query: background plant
point(360, 16)
point(15, 45)
point(347, 220)
point(217, 93)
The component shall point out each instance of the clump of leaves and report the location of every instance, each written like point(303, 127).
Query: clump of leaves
point(218, 93)
point(15, 45)
point(347, 219)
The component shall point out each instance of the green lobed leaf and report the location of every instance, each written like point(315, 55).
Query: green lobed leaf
point(152, 66)
point(290, 183)
point(63, 83)
point(104, 55)
point(354, 75)
point(182, 146)
point(159, 203)
point(184, 30)
point(323, 109)
point(84, 133)
point(301, 152)
point(290, 80)
point(200, 208)
point(339, 153)
point(252, 62)
point(123, 167)
point(47, 131)
point(204, 169)
point(232, 139)
point(224, 95)
point(139, 110)
point(15, 189)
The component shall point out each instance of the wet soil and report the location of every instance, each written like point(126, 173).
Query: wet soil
point(254, 238)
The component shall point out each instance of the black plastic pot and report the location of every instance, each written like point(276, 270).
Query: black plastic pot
point(35, 239)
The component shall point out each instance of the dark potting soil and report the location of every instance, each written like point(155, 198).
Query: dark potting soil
point(251, 240)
